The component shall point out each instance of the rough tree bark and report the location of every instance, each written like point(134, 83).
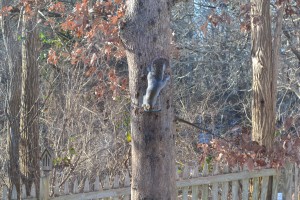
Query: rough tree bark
point(276, 45)
point(29, 127)
point(146, 34)
point(13, 49)
point(264, 81)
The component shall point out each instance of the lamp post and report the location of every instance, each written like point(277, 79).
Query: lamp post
point(47, 162)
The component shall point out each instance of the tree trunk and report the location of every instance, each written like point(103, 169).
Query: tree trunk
point(146, 34)
point(264, 81)
point(265, 65)
point(29, 143)
point(276, 43)
point(13, 50)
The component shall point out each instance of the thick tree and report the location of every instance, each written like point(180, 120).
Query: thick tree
point(265, 63)
point(146, 34)
point(14, 59)
point(29, 127)
point(264, 81)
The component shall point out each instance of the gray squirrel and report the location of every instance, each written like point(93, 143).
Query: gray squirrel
point(157, 80)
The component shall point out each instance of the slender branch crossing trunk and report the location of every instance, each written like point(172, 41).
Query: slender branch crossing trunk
point(146, 34)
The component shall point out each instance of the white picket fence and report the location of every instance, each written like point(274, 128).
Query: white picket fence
point(192, 183)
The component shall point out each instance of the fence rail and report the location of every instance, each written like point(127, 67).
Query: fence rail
point(192, 183)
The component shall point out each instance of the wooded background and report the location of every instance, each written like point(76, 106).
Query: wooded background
point(76, 96)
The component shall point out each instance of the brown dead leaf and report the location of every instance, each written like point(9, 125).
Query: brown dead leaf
point(250, 164)
point(203, 28)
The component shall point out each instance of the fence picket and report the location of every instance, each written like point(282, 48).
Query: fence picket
point(97, 184)
point(185, 175)
point(288, 181)
point(75, 187)
point(127, 180)
point(126, 197)
point(33, 190)
point(195, 188)
point(86, 187)
point(177, 172)
point(106, 183)
point(225, 185)
point(127, 184)
point(56, 188)
point(275, 187)
point(296, 194)
point(186, 172)
point(235, 186)
point(116, 182)
point(204, 191)
point(255, 188)
point(116, 185)
point(5, 193)
point(14, 194)
point(245, 186)
point(66, 188)
point(214, 191)
point(23, 191)
point(264, 187)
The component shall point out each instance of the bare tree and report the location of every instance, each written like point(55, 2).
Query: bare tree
point(147, 35)
point(29, 126)
point(13, 55)
point(264, 80)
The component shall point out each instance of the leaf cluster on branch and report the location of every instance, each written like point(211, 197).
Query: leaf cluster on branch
point(242, 151)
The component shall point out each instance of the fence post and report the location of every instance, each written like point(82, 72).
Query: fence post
point(288, 178)
point(44, 186)
point(47, 159)
point(5, 193)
